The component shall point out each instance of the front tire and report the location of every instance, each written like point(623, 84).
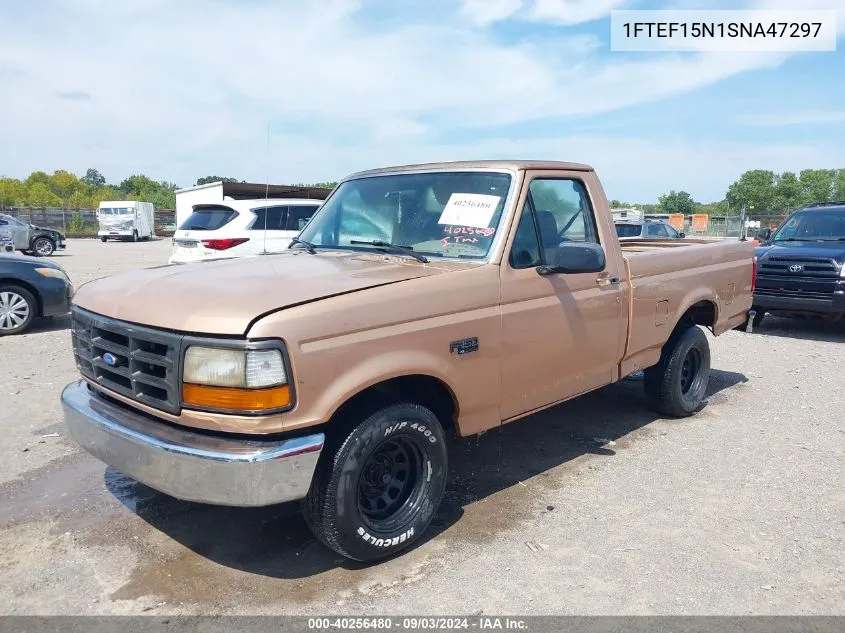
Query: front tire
point(103, 238)
point(376, 490)
point(18, 309)
point(134, 236)
point(677, 385)
point(43, 247)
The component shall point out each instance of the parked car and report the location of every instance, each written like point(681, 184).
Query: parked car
point(801, 265)
point(239, 228)
point(333, 371)
point(30, 289)
point(125, 220)
point(30, 239)
point(647, 229)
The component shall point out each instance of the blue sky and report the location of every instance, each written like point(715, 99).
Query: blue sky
point(180, 90)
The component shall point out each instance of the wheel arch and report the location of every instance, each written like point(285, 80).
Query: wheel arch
point(423, 389)
point(14, 281)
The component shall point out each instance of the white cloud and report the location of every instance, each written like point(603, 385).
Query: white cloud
point(484, 12)
point(181, 89)
point(805, 117)
point(574, 11)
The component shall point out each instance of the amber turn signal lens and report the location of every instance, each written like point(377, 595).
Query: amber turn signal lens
point(234, 399)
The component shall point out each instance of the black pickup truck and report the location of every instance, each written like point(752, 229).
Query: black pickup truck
point(801, 265)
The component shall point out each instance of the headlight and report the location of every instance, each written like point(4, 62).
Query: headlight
point(235, 380)
point(53, 272)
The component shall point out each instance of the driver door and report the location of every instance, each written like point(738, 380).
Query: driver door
point(563, 334)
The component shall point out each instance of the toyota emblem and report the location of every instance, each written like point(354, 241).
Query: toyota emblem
point(796, 268)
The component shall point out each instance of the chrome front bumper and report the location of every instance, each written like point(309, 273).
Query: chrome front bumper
point(188, 465)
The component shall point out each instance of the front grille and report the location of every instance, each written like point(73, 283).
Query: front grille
point(811, 267)
point(146, 361)
point(794, 293)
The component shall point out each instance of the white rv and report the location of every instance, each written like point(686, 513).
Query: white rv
point(126, 220)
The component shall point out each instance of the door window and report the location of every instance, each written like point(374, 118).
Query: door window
point(656, 230)
point(270, 218)
point(555, 211)
point(298, 216)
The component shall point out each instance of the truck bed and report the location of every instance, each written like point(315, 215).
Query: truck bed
point(669, 277)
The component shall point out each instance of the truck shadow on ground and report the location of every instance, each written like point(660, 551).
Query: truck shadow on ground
point(806, 329)
point(275, 542)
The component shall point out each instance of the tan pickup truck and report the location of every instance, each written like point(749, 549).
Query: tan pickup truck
point(418, 302)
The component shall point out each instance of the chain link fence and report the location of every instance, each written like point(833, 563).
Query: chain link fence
point(723, 226)
point(82, 222)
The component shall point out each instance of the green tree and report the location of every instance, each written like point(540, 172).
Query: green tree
point(720, 208)
point(839, 185)
point(755, 189)
point(788, 192)
point(93, 177)
point(38, 177)
point(817, 184)
point(78, 200)
point(137, 184)
point(103, 193)
point(12, 192)
point(64, 184)
point(209, 179)
point(39, 195)
point(677, 202)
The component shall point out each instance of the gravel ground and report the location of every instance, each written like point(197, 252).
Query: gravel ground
point(594, 507)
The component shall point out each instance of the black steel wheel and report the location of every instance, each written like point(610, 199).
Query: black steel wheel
point(377, 488)
point(677, 385)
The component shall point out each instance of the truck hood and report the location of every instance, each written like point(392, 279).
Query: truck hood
point(226, 296)
point(833, 250)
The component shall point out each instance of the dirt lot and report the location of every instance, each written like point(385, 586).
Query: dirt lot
point(593, 507)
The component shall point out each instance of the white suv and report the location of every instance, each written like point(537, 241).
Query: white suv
point(240, 227)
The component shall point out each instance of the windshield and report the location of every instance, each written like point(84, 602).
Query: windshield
point(628, 230)
point(442, 214)
point(120, 211)
point(814, 225)
point(208, 219)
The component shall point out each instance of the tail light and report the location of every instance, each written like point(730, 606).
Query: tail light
point(753, 274)
point(224, 244)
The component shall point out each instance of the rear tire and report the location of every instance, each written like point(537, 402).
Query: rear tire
point(377, 489)
point(677, 385)
point(18, 309)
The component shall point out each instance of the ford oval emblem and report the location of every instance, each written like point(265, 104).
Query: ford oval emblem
point(110, 359)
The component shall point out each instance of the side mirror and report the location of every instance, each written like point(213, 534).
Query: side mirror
point(576, 257)
point(681, 235)
point(764, 234)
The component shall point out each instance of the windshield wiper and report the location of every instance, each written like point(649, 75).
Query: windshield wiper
point(308, 245)
point(396, 248)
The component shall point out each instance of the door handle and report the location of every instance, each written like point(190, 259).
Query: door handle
point(606, 281)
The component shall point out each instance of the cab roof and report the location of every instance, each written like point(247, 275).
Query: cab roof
point(515, 165)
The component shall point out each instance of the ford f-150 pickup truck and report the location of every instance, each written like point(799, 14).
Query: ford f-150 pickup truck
point(419, 302)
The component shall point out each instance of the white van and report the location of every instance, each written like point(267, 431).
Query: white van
point(125, 219)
